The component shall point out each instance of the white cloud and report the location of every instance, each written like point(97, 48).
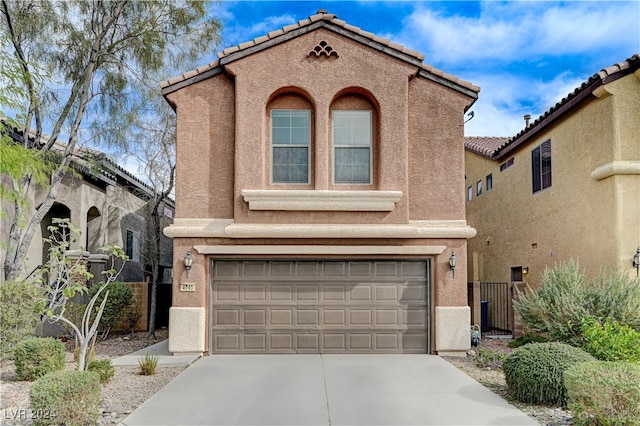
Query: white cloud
point(506, 98)
point(234, 34)
point(518, 30)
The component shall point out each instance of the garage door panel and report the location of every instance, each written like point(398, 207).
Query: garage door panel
point(308, 317)
point(387, 342)
point(343, 306)
point(334, 317)
point(360, 317)
point(334, 342)
point(281, 317)
point(227, 317)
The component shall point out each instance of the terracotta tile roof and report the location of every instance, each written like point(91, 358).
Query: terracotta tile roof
point(330, 21)
point(484, 145)
point(602, 77)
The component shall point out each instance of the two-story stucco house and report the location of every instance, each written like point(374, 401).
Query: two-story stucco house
point(320, 182)
point(567, 186)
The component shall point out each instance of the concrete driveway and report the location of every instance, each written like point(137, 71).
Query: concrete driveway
point(325, 390)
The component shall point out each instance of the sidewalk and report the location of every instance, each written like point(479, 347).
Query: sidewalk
point(165, 358)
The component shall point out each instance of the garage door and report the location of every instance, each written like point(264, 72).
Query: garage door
point(363, 306)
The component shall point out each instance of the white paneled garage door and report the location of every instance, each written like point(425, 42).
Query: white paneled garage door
point(360, 306)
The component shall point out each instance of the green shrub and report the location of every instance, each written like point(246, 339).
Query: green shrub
point(489, 358)
point(148, 364)
point(118, 302)
point(565, 297)
point(604, 393)
point(104, 368)
point(526, 339)
point(610, 341)
point(67, 397)
point(534, 372)
point(38, 356)
point(21, 303)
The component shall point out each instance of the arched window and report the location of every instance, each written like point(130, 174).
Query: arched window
point(353, 134)
point(291, 122)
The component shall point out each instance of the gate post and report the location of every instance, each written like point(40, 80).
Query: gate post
point(516, 320)
point(476, 303)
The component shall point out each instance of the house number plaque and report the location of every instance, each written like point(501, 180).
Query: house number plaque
point(187, 287)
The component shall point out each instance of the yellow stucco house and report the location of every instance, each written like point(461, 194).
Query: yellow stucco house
point(567, 186)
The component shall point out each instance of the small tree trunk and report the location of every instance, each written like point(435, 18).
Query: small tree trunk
point(154, 302)
point(82, 354)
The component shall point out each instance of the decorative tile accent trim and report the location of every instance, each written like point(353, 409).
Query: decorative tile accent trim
point(323, 49)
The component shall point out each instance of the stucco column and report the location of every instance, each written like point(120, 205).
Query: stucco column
point(187, 316)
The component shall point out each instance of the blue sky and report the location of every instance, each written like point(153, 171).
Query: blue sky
point(525, 55)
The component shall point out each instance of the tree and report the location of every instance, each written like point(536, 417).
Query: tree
point(63, 277)
point(158, 156)
point(100, 52)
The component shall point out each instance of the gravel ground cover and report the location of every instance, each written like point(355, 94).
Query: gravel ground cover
point(128, 389)
point(494, 380)
point(125, 392)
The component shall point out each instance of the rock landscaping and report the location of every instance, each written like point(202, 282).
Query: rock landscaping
point(127, 390)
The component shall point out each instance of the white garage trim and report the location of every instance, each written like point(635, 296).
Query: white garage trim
point(227, 228)
point(320, 250)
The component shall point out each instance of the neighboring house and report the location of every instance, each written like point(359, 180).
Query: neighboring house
point(567, 186)
point(320, 173)
point(108, 205)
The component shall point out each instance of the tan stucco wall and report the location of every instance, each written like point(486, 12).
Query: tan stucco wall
point(79, 196)
point(594, 221)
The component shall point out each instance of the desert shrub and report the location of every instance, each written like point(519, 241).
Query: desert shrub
point(38, 356)
point(557, 308)
point(119, 299)
point(534, 372)
point(604, 393)
point(66, 398)
point(21, 303)
point(610, 341)
point(104, 368)
point(489, 358)
point(526, 339)
point(148, 364)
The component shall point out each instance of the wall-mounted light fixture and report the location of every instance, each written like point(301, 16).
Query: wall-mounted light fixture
point(188, 261)
point(525, 270)
point(636, 262)
point(453, 260)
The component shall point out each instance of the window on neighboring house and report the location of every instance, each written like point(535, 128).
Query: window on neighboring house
point(516, 274)
point(352, 140)
point(504, 166)
point(541, 166)
point(132, 245)
point(479, 188)
point(290, 140)
point(469, 193)
point(489, 182)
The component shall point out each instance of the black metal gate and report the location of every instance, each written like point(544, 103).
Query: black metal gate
point(496, 309)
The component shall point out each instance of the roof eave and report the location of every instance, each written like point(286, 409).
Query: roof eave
point(546, 121)
point(408, 57)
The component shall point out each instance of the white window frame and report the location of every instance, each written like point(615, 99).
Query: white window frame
point(335, 146)
point(307, 146)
